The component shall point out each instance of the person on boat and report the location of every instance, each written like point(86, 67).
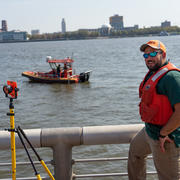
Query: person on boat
point(65, 70)
point(160, 110)
point(58, 70)
point(54, 72)
point(69, 65)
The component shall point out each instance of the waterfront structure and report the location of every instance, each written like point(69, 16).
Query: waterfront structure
point(131, 28)
point(153, 27)
point(163, 33)
point(116, 22)
point(104, 30)
point(35, 32)
point(63, 26)
point(13, 36)
point(166, 24)
point(4, 25)
point(163, 25)
point(88, 30)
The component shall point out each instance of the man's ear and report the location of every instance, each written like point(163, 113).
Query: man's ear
point(164, 54)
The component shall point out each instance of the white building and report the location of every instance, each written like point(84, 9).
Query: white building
point(10, 36)
point(104, 30)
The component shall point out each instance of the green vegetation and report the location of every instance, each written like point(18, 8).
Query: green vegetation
point(69, 35)
point(84, 34)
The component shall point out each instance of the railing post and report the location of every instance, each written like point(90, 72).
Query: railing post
point(61, 140)
point(62, 155)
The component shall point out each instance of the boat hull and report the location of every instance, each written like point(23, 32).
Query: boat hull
point(49, 78)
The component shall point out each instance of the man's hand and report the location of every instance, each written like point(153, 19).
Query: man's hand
point(162, 141)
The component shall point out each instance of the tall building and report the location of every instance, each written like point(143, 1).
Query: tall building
point(35, 32)
point(116, 22)
point(165, 24)
point(63, 26)
point(4, 25)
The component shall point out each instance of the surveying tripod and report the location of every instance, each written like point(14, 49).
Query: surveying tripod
point(11, 92)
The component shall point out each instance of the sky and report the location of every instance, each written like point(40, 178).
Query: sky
point(46, 15)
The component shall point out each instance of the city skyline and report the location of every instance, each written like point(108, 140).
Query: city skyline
point(46, 16)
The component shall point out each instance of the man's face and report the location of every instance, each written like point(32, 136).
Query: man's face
point(153, 63)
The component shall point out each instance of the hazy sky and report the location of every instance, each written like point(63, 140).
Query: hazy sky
point(46, 15)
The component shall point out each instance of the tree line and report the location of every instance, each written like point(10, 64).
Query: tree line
point(85, 34)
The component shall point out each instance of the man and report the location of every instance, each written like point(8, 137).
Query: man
point(160, 110)
point(65, 70)
point(58, 70)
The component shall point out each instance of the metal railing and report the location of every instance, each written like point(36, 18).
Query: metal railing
point(61, 140)
point(76, 176)
point(24, 163)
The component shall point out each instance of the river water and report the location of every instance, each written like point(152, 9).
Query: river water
point(110, 97)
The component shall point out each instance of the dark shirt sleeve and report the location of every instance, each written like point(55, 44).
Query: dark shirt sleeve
point(169, 85)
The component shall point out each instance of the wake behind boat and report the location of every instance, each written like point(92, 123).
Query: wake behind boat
point(61, 72)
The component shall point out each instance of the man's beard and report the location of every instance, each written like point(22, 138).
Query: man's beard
point(155, 67)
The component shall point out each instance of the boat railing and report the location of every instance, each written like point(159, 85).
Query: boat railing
point(55, 75)
point(62, 141)
point(45, 74)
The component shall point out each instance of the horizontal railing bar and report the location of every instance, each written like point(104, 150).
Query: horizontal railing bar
point(99, 175)
point(108, 174)
point(103, 159)
point(24, 163)
point(99, 159)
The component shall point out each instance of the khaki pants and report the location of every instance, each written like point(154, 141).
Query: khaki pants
point(166, 164)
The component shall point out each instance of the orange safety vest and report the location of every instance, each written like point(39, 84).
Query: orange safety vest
point(155, 108)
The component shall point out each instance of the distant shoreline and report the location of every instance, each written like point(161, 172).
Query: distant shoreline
point(43, 40)
point(69, 39)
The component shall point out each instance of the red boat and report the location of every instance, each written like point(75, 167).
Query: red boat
point(61, 72)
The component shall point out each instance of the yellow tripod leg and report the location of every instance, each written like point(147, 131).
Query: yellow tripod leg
point(47, 170)
point(38, 176)
point(40, 160)
point(13, 147)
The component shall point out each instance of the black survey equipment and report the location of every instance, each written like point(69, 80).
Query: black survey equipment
point(11, 90)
